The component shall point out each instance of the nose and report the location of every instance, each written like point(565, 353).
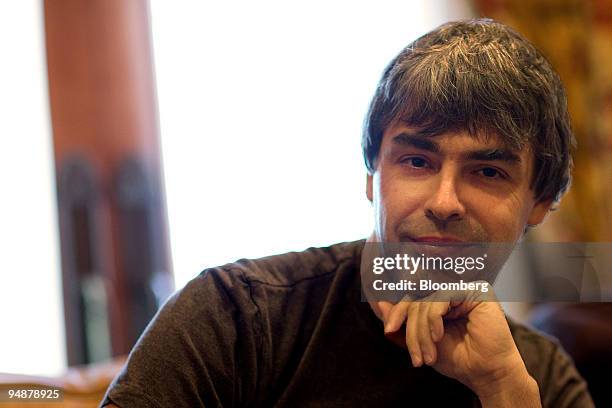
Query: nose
point(444, 205)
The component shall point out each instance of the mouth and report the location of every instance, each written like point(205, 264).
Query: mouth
point(435, 240)
point(435, 245)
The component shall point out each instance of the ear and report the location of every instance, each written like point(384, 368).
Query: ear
point(539, 212)
point(369, 187)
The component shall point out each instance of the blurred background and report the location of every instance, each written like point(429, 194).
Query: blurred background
point(143, 141)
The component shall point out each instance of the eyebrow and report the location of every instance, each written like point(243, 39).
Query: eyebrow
point(421, 141)
point(504, 155)
point(416, 140)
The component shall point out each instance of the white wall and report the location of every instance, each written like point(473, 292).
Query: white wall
point(261, 107)
point(31, 311)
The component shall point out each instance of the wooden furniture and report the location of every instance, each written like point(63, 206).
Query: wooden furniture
point(83, 387)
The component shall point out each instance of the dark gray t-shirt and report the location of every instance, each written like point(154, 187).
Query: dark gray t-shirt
point(291, 330)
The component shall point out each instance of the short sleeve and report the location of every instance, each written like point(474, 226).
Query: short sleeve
point(565, 387)
point(560, 384)
point(200, 349)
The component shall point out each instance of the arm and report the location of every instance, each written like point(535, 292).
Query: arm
point(197, 351)
point(464, 335)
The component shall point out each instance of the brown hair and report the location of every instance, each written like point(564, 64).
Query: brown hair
point(481, 76)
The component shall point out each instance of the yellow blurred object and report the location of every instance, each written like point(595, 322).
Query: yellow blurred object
point(576, 37)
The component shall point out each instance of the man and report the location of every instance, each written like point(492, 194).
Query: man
point(467, 140)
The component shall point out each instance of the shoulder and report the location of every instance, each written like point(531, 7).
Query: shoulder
point(233, 286)
point(290, 268)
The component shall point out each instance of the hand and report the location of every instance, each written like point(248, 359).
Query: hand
point(463, 335)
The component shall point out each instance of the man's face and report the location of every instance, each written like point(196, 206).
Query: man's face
point(451, 187)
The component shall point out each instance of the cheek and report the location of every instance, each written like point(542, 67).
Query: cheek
point(503, 220)
point(397, 199)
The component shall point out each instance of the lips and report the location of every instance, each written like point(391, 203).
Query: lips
point(434, 245)
point(432, 240)
point(436, 240)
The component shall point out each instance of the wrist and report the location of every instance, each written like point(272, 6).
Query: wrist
point(501, 373)
point(516, 388)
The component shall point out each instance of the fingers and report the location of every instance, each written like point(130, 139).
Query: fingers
point(425, 321)
point(429, 328)
point(426, 343)
point(437, 311)
point(412, 336)
point(424, 327)
point(382, 310)
point(396, 317)
point(407, 311)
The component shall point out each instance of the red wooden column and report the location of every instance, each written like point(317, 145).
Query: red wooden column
point(113, 223)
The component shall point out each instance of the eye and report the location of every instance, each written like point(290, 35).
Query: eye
point(416, 162)
point(491, 173)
